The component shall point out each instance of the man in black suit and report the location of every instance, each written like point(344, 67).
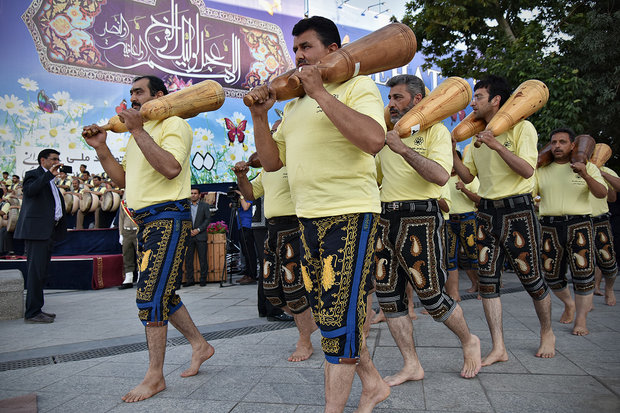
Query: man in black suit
point(41, 222)
point(198, 239)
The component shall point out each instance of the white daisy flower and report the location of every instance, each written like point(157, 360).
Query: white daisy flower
point(28, 84)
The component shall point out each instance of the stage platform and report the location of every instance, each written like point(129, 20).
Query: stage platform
point(85, 260)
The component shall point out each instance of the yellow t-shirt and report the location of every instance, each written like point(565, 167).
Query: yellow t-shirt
point(599, 205)
point(5, 207)
point(274, 185)
point(399, 181)
point(327, 174)
point(497, 180)
point(564, 192)
point(461, 204)
point(445, 195)
point(145, 186)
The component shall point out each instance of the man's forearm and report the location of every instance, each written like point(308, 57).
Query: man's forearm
point(519, 165)
point(426, 168)
point(266, 147)
point(245, 187)
point(461, 170)
point(160, 159)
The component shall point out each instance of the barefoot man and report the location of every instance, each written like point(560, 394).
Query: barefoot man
point(327, 140)
point(156, 174)
point(605, 244)
point(410, 247)
point(565, 189)
point(507, 226)
point(282, 280)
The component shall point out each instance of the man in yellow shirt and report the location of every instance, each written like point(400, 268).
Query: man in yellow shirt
point(507, 224)
point(327, 139)
point(156, 173)
point(282, 279)
point(461, 230)
point(565, 209)
point(604, 240)
point(410, 248)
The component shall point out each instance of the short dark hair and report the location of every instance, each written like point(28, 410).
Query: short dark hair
point(45, 153)
point(414, 84)
point(16, 176)
point(84, 165)
point(97, 177)
point(155, 84)
point(325, 29)
point(569, 131)
point(196, 188)
point(496, 85)
point(5, 172)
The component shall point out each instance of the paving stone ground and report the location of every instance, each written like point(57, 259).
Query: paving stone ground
point(250, 373)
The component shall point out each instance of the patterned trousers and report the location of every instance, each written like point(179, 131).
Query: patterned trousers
point(567, 242)
point(604, 251)
point(282, 280)
point(410, 249)
point(163, 234)
point(508, 228)
point(336, 264)
point(462, 251)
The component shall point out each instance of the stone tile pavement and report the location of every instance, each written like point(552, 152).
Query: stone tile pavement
point(249, 371)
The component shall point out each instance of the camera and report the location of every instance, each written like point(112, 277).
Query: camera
point(232, 194)
point(66, 169)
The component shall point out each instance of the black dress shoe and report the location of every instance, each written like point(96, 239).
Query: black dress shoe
point(124, 286)
point(188, 284)
point(40, 318)
point(281, 317)
point(203, 283)
point(49, 314)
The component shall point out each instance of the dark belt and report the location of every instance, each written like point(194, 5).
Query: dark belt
point(510, 202)
point(287, 219)
point(459, 217)
point(430, 205)
point(602, 217)
point(562, 218)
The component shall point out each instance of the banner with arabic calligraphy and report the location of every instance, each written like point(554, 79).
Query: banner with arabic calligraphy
point(115, 40)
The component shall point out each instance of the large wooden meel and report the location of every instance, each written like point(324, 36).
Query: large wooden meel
point(468, 127)
point(583, 149)
point(280, 86)
point(526, 100)
point(601, 154)
point(452, 95)
point(545, 156)
point(390, 47)
point(205, 96)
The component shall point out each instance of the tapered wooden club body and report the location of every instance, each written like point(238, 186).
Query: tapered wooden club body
point(468, 127)
point(205, 96)
point(545, 156)
point(387, 48)
point(452, 95)
point(583, 149)
point(601, 154)
point(526, 100)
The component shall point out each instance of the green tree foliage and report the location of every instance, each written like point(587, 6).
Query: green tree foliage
point(569, 45)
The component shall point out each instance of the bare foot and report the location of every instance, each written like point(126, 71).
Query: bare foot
point(610, 297)
point(547, 346)
point(145, 390)
point(580, 328)
point(495, 356)
point(372, 396)
point(471, 356)
point(568, 315)
point(472, 289)
point(378, 317)
point(199, 356)
point(597, 291)
point(412, 373)
point(302, 352)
